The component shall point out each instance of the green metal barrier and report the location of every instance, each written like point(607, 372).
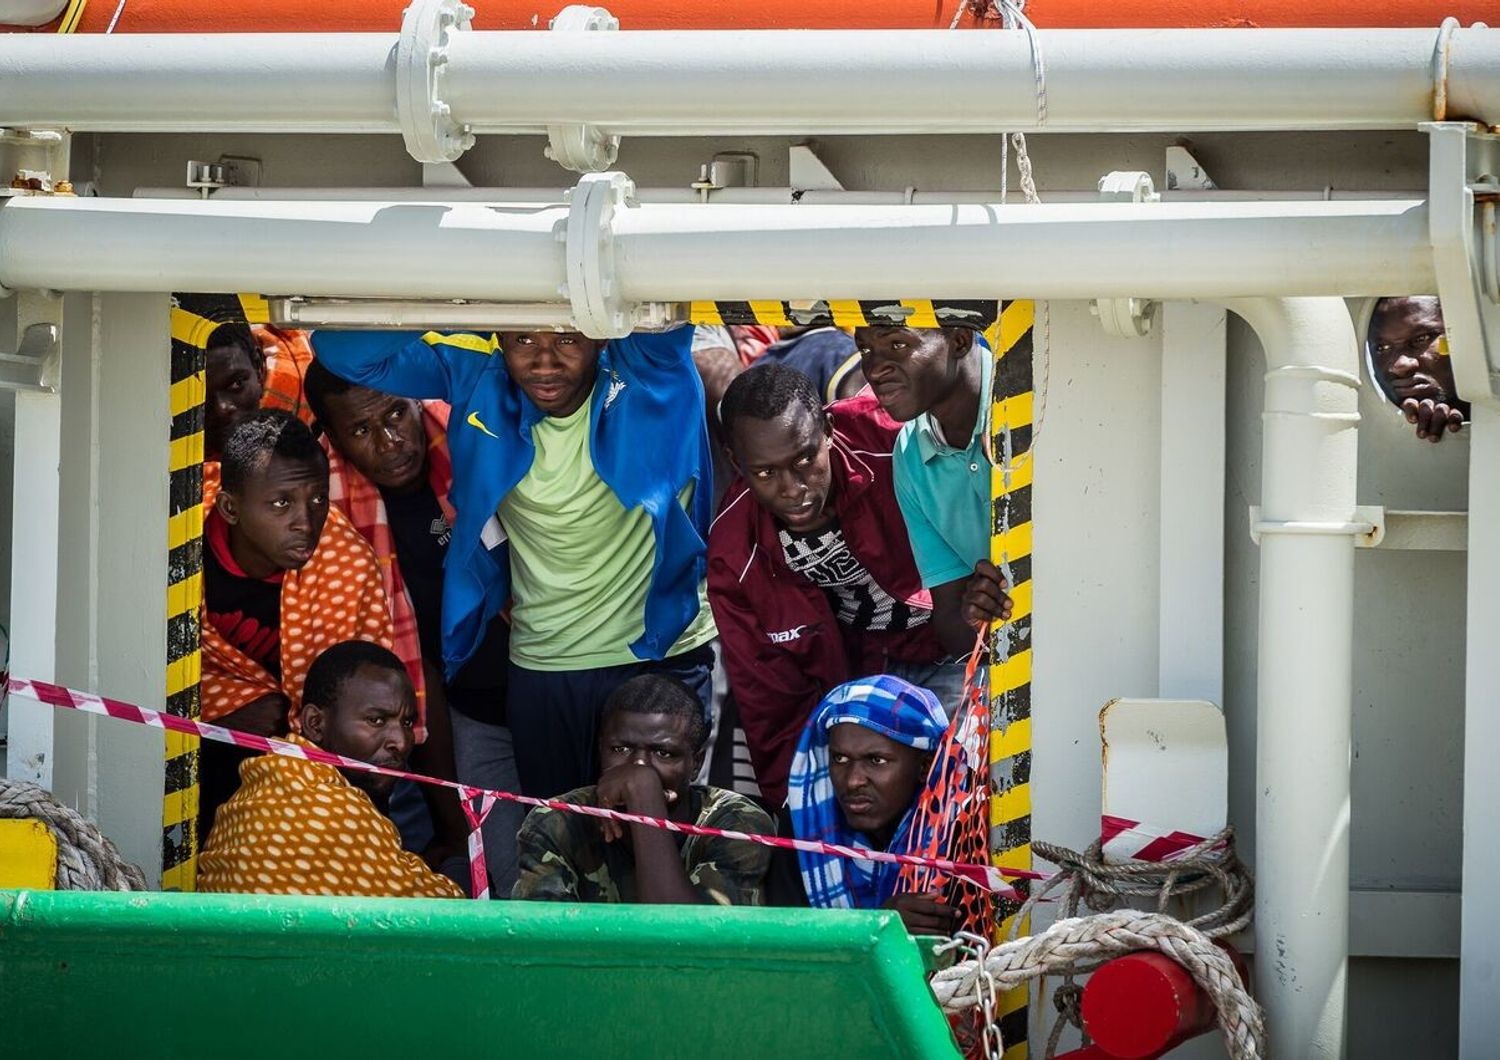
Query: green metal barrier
point(169, 975)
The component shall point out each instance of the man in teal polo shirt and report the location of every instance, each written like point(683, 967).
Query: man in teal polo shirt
point(937, 382)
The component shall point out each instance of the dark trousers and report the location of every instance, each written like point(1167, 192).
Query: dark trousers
point(554, 716)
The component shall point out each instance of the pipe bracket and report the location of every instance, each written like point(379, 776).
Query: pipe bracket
point(1126, 318)
point(593, 288)
point(1367, 527)
point(1463, 161)
point(582, 148)
point(428, 127)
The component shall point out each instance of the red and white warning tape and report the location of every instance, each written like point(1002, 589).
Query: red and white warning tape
point(1125, 840)
point(477, 802)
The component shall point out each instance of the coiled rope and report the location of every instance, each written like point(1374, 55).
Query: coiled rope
point(86, 860)
point(1080, 944)
point(1077, 945)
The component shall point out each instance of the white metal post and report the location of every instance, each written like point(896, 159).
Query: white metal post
point(1194, 363)
point(33, 634)
point(1479, 1015)
point(1305, 670)
point(113, 607)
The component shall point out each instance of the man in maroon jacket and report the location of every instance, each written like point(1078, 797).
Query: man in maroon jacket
point(810, 574)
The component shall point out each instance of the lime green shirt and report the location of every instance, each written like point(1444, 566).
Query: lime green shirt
point(580, 563)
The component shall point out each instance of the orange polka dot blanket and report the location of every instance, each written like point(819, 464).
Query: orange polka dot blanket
point(299, 827)
point(288, 352)
point(337, 596)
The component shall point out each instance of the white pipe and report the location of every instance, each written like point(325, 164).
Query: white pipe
point(348, 250)
point(667, 253)
point(741, 196)
point(1305, 669)
point(758, 82)
point(1161, 250)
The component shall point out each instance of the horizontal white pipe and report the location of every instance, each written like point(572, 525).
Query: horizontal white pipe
point(1165, 250)
point(672, 253)
point(350, 250)
point(760, 196)
point(758, 82)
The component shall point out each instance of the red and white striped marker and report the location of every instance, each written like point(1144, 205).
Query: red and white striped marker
point(1127, 840)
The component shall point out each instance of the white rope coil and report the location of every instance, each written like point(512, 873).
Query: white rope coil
point(1083, 942)
point(86, 860)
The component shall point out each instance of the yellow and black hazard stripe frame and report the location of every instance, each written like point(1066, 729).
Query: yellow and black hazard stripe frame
point(1012, 400)
point(194, 318)
point(914, 313)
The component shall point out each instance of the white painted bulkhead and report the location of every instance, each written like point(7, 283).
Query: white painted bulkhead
point(1105, 476)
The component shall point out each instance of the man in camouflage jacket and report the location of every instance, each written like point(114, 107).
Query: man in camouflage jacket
point(651, 745)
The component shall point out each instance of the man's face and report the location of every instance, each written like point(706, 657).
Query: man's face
point(1404, 338)
point(276, 518)
point(662, 741)
point(380, 434)
point(875, 779)
point(372, 721)
point(786, 463)
point(911, 369)
point(234, 387)
point(555, 369)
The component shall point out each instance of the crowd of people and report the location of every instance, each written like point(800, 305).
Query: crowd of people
point(604, 573)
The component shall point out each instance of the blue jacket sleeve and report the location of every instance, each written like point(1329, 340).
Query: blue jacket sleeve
point(660, 348)
point(395, 362)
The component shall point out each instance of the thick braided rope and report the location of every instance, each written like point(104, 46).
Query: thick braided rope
point(1088, 881)
point(1100, 885)
point(1081, 942)
point(86, 860)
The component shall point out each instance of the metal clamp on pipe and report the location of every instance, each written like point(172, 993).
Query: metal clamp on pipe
point(592, 286)
point(1367, 527)
point(427, 124)
point(582, 148)
point(1126, 318)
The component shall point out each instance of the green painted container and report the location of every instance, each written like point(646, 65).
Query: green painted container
point(222, 976)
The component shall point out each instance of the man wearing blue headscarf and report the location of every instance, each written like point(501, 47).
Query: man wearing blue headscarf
point(860, 765)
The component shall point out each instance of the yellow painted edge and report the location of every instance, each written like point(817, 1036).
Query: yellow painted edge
point(182, 877)
point(28, 854)
point(179, 744)
point(1012, 805)
point(179, 806)
point(184, 673)
point(1012, 1000)
point(1021, 596)
point(1013, 857)
point(185, 526)
point(772, 314)
point(1009, 480)
point(185, 596)
point(256, 309)
point(704, 313)
point(921, 315)
point(1021, 1050)
point(1016, 319)
point(847, 314)
point(1014, 544)
point(1012, 674)
point(191, 328)
point(1012, 741)
point(1014, 412)
point(187, 393)
point(183, 453)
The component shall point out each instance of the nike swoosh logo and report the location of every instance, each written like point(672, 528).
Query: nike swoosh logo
point(473, 421)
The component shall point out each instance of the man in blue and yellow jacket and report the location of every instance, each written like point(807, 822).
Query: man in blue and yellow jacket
point(583, 485)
